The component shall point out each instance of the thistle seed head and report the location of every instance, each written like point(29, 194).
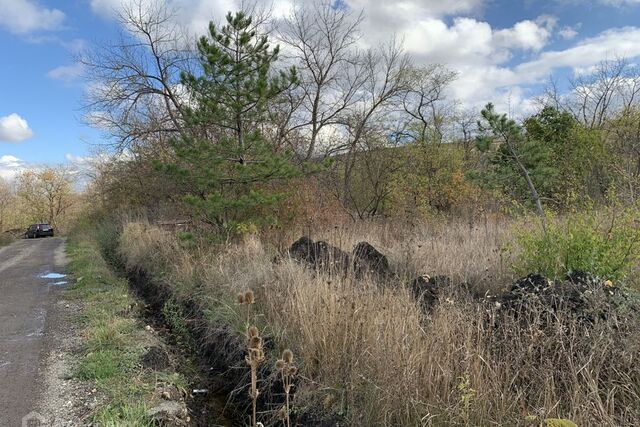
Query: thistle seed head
point(329, 401)
point(282, 413)
point(253, 332)
point(249, 298)
point(255, 342)
point(240, 299)
point(256, 355)
point(287, 356)
point(280, 364)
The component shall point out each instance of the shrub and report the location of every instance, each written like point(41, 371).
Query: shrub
point(605, 245)
point(106, 233)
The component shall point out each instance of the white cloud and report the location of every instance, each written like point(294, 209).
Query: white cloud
point(526, 35)
point(67, 73)
point(622, 42)
point(568, 32)
point(14, 128)
point(465, 40)
point(387, 13)
point(11, 166)
point(75, 46)
point(194, 14)
point(619, 3)
point(26, 16)
point(435, 31)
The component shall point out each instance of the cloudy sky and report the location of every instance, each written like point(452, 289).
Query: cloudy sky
point(504, 51)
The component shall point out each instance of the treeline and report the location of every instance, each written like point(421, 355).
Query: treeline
point(267, 121)
point(39, 195)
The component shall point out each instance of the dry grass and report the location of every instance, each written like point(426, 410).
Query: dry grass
point(466, 252)
point(368, 352)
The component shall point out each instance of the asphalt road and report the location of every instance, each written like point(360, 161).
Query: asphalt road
point(29, 288)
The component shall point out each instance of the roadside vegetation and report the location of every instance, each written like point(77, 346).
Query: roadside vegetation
point(369, 354)
point(500, 282)
point(114, 340)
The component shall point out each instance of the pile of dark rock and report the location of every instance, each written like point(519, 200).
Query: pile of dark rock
point(429, 291)
point(322, 256)
point(579, 293)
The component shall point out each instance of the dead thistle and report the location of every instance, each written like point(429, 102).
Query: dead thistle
point(255, 350)
point(287, 371)
point(248, 299)
point(255, 356)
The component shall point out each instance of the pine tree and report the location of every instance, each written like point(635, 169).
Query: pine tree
point(223, 154)
point(511, 138)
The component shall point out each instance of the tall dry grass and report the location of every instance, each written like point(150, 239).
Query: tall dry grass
point(472, 252)
point(368, 352)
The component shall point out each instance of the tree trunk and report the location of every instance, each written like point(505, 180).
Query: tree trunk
point(532, 188)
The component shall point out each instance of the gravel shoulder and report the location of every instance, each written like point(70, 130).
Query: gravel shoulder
point(32, 282)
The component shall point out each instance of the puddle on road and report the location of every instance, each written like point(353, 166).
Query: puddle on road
point(4, 364)
point(53, 276)
point(61, 283)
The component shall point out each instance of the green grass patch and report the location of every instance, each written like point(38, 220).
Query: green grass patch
point(113, 338)
point(6, 239)
point(122, 413)
point(101, 365)
point(605, 244)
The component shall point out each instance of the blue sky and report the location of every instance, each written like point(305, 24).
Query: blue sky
point(503, 50)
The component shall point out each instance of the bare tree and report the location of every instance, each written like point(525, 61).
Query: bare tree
point(386, 77)
point(612, 86)
point(321, 41)
point(423, 100)
point(623, 139)
point(135, 83)
point(466, 126)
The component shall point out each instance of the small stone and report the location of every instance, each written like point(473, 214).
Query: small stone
point(66, 376)
point(168, 413)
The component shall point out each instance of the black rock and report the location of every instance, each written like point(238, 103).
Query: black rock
point(581, 295)
point(428, 290)
point(320, 256)
point(583, 279)
point(302, 249)
point(367, 259)
point(531, 284)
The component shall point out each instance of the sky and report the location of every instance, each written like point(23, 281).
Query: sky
point(503, 50)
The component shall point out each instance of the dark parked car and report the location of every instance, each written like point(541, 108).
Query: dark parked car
point(39, 230)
